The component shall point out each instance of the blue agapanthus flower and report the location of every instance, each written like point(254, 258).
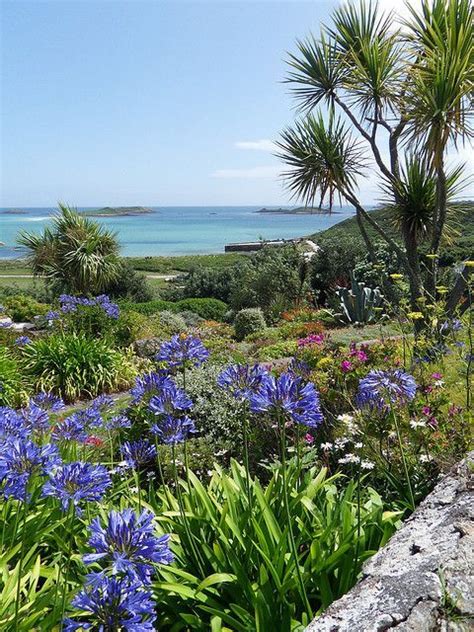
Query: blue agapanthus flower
point(21, 341)
point(138, 453)
point(290, 396)
point(102, 403)
point(51, 316)
point(172, 429)
point(300, 368)
point(20, 460)
point(11, 424)
point(381, 389)
point(35, 418)
point(242, 380)
point(112, 603)
point(182, 351)
point(128, 544)
point(149, 384)
point(77, 482)
point(48, 401)
point(69, 429)
point(69, 304)
point(117, 422)
point(171, 401)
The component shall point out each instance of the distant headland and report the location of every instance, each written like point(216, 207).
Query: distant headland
point(300, 210)
point(14, 211)
point(115, 211)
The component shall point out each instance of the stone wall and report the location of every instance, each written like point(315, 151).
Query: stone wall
point(423, 579)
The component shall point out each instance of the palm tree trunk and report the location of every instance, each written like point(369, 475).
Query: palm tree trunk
point(439, 221)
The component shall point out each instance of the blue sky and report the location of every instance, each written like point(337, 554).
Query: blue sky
point(158, 102)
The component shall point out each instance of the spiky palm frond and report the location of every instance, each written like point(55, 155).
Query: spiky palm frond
point(322, 156)
point(317, 71)
point(438, 103)
point(412, 199)
point(76, 253)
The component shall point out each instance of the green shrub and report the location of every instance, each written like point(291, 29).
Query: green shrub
point(131, 285)
point(148, 308)
point(242, 573)
point(248, 321)
point(170, 323)
point(74, 366)
point(132, 326)
point(191, 318)
point(283, 349)
point(207, 308)
point(22, 308)
point(12, 388)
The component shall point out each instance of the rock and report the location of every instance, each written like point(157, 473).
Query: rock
point(423, 579)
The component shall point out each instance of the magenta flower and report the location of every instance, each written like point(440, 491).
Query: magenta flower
point(346, 366)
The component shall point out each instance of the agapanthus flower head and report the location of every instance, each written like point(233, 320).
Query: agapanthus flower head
point(77, 482)
point(90, 417)
point(149, 384)
point(22, 341)
point(300, 368)
point(171, 429)
point(112, 603)
point(102, 403)
point(12, 424)
point(242, 380)
point(381, 389)
point(182, 351)
point(69, 429)
point(128, 544)
point(20, 460)
point(51, 316)
point(289, 396)
point(35, 418)
point(171, 401)
point(69, 304)
point(5, 324)
point(138, 453)
point(117, 422)
point(48, 401)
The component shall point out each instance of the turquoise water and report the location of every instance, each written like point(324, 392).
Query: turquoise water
point(178, 230)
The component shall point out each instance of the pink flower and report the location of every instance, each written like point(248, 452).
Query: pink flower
point(309, 438)
point(436, 376)
point(97, 442)
point(362, 356)
point(346, 366)
point(312, 339)
point(426, 410)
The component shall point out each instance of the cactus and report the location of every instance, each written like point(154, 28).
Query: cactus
point(358, 303)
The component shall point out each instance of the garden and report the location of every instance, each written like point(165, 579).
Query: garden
point(225, 451)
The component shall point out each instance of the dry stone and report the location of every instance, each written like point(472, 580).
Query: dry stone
point(423, 579)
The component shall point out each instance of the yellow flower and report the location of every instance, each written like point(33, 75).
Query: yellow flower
point(469, 264)
point(432, 256)
point(415, 315)
point(442, 289)
point(395, 277)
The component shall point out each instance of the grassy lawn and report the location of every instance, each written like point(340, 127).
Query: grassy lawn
point(183, 263)
point(346, 335)
point(20, 284)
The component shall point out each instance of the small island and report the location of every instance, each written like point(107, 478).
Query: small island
point(15, 211)
point(300, 210)
point(118, 211)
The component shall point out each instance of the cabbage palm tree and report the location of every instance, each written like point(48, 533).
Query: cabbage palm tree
point(76, 254)
point(398, 91)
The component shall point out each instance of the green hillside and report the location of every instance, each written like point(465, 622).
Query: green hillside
point(460, 245)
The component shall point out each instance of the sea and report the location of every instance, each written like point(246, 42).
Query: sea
point(178, 230)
